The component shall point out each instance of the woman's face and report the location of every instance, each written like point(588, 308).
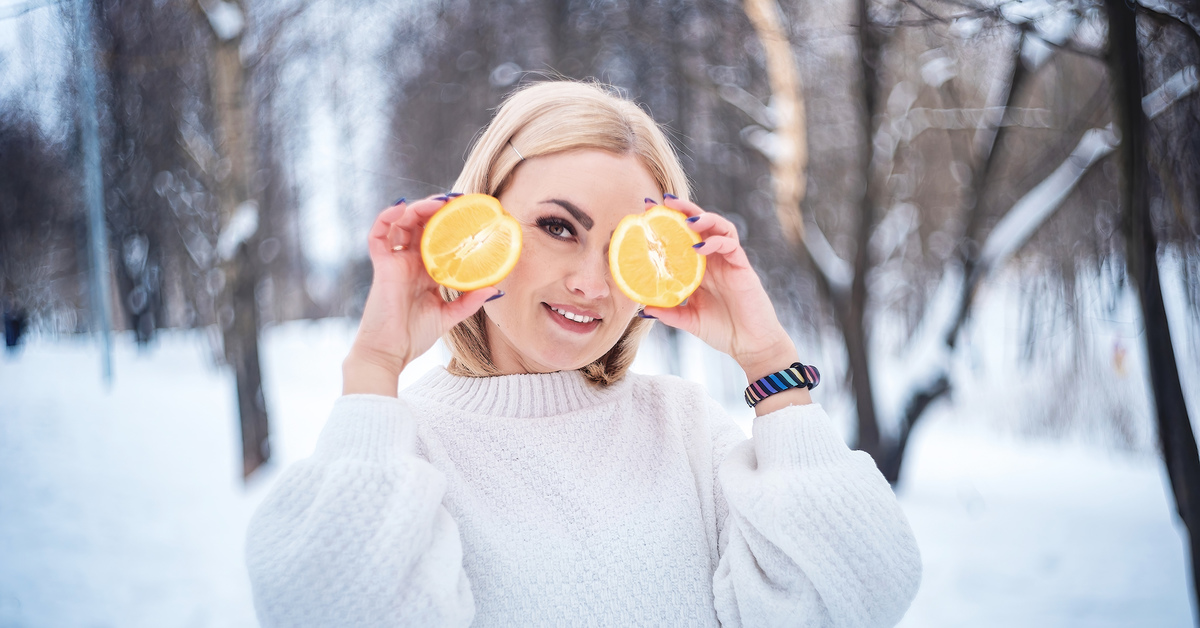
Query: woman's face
point(561, 310)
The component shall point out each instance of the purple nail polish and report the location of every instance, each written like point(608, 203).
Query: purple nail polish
point(642, 314)
point(693, 219)
point(671, 196)
point(495, 296)
point(453, 194)
point(650, 200)
point(441, 198)
point(697, 245)
point(398, 201)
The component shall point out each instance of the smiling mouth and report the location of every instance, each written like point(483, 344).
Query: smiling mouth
point(571, 316)
point(578, 318)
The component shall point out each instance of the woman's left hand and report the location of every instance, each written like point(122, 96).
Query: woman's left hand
point(730, 311)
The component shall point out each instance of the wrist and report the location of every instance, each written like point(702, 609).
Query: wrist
point(776, 357)
point(362, 374)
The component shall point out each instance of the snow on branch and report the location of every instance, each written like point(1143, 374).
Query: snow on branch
point(1180, 84)
point(836, 270)
point(1171, 9)
point(749, 105)
point(225, 18)
point(930, 356)
point(1032, 210)
point(241, 226)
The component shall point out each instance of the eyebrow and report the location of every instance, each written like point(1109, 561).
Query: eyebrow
point(575, 212)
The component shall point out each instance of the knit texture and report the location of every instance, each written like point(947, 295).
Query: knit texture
point(544, 500)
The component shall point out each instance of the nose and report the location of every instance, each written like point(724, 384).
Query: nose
point(588, 276)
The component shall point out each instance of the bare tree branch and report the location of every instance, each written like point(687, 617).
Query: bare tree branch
point(1169, 9)
point(790, 160)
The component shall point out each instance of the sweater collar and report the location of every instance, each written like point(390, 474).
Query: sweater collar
point(522, 396)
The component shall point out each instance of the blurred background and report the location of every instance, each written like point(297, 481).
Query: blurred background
point(979, 218)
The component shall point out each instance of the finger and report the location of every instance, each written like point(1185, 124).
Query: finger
point(386, 218)
point(710, 224)
point(727, 248)
point(466, 304)
point(422, 211)
point(684, 317)
point(407, 231)
point(682, 205)
point(379, 241)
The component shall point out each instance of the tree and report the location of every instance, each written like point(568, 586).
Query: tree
point(1177, 439)
point(239, 215)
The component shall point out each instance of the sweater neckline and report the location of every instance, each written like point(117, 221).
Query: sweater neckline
point(521, 396)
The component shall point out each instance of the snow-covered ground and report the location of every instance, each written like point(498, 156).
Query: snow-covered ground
point(125, 507)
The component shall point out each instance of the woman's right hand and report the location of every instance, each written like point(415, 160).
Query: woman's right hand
point(404, 314)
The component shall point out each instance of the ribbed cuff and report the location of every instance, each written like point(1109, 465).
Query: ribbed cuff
point(368, 428)
point(798, 436)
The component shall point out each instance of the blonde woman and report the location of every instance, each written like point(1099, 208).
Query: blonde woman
point(534, 481)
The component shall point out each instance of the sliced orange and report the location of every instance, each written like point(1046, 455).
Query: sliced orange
point(652, 259)
point(470, 243)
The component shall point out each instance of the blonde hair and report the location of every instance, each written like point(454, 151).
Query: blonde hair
point(542, 119)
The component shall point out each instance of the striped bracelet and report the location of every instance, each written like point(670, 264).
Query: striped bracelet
point(795, 376)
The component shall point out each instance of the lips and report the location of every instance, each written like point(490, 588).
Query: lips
point(572, 320)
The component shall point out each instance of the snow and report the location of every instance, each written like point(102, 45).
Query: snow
point(1180, 84)
point(242, 225)
point(1028, 213)
point(226, 18)
point(125, 506)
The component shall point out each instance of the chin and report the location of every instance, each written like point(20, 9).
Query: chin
point(560, 362)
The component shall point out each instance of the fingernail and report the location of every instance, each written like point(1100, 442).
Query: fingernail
point(650, 200)
point(697, 245)
point(671, 196)
point(453, 194)
point(398, 201)
point(495, 296)
point(682, 304)
point(693, 219)
point(642, 314)
point(441, 198)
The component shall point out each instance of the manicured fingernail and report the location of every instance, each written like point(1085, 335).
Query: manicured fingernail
point(682, 304)
point(495, 296)
point(693, 219)
point(697, 245)
point(398, 201)
point(671, 196)
point(441, 198)
point(650, 200)
point(645, 315)
point(453, 194)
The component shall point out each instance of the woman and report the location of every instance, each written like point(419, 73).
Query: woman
point(534, 481)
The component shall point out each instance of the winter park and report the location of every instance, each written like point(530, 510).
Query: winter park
point(246, 383)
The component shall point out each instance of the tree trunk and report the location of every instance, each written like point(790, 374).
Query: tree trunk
point(237, 310)
point(1174, 428)
point(851, 311)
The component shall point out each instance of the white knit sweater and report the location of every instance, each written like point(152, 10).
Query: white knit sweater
point(542, 500)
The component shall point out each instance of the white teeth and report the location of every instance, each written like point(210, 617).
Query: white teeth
point(578, 318)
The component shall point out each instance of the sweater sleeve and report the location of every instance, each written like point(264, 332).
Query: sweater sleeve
point(356, 535)
point(813, 535)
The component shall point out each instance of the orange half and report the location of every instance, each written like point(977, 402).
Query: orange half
point(471, 243)
point(652, 259)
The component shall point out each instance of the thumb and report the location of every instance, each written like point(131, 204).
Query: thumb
point(467, 304)
point(680, 317)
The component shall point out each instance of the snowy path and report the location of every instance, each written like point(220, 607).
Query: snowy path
point(125, 508)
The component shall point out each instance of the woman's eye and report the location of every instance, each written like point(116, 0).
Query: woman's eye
point(557, 228)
